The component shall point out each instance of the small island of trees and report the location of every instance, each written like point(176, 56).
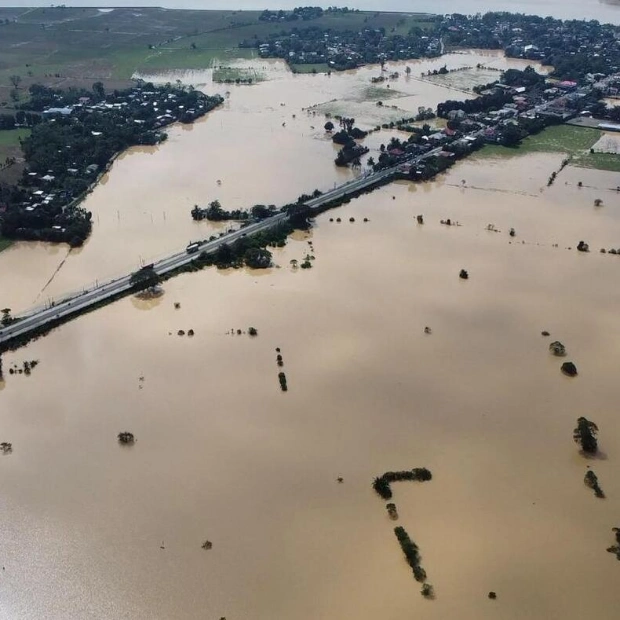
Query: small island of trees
point(412, 553)
point(381, 484)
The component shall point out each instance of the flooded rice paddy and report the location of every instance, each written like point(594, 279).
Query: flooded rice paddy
point(93, 529)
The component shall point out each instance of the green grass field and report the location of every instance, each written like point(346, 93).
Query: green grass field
point(599, 161)
point(557, 139)
point(573, 141)
point(10, 138)
point(4, 243)
point(81, 45)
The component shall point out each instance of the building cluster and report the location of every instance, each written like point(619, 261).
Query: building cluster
point(503, 114)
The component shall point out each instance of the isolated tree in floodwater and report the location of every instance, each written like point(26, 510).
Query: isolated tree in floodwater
point(585, 435)
point(329, 126)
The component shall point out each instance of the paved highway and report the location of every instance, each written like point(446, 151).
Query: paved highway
point(39, 318)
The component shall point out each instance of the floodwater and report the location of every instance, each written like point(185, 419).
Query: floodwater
point(95, 530)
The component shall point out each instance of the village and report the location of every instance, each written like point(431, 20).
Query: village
point(572, 48)
point(503, 114)
point(76, 135)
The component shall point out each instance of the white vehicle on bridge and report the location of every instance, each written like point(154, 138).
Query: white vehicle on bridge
point(193, 247)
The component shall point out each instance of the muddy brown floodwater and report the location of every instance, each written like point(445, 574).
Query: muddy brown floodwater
point(92, 529)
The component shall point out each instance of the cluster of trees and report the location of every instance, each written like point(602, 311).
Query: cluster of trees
point(529, 77)
point(42, 97)
point(412, 553)
point(350, 151)
point(216, 213)
point(381, 484)
point(305, 13)
point(350, 154)
point(72, 225)
point(126, 438)
point(145, 278)
point(250, 251)
point(484, 103)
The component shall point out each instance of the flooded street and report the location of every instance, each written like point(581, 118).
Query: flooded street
point(107, 531)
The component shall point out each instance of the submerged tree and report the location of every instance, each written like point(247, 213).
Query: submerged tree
point(6, 447)
point(428, 591)
point(145, 278)
point(585, 435)
point(6, 316)
point(615, 548)
point(126, 438)
point(412, 553)
point(591, 480)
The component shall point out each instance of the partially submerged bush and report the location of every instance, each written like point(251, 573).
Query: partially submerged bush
point(569, 369)
point(557, 348)
point(615, 548)
point(463, 274)
point(282, 379)
point(392, 512)
point(428, 591)
point(126, 438)
point(591, 480)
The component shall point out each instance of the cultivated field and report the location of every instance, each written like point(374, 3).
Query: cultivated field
point(76, 46)
point(575, 142)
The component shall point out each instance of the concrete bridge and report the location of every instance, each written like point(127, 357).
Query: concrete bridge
point(39, 319)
